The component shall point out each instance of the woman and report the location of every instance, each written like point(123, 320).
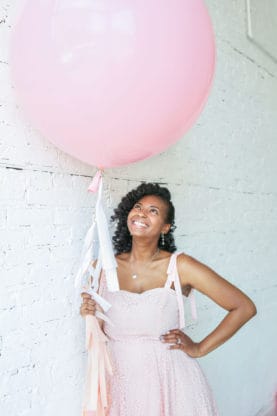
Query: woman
point(155, 367)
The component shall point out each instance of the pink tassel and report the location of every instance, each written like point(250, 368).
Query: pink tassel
point(94, 185)
point(95, 400)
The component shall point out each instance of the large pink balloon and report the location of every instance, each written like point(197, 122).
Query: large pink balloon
point(113, 81)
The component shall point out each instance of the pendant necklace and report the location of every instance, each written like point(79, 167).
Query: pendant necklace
point(134, 275)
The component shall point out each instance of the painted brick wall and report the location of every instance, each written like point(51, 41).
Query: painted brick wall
point(222, 175)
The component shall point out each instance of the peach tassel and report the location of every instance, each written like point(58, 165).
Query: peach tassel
point(95, 399)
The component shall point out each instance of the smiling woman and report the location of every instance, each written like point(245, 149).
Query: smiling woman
point(147, 202)
point(147, 342)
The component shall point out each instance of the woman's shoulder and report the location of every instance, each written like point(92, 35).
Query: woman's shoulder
point(186, 261)
point(122, 256)
point(165, 254)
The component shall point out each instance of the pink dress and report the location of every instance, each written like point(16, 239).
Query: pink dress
point(148, 378)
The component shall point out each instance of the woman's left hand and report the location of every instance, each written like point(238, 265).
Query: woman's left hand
point(181, 342)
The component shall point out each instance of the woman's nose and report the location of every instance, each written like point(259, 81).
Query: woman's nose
point(142, 213)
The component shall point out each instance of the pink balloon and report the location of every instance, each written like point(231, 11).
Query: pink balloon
point(113, 81)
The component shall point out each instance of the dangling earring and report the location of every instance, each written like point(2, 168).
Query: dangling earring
point(162, 235)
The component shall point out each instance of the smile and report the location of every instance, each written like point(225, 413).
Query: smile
point(139, 224)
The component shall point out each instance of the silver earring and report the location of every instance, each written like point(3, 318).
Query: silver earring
point(162, 235)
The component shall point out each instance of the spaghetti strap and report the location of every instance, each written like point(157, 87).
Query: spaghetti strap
point(173, 276)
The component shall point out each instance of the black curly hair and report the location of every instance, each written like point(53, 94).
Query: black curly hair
point(122, 240)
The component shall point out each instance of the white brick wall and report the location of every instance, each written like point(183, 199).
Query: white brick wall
point(222, 175)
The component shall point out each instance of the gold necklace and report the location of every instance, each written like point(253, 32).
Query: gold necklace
point(134, 275)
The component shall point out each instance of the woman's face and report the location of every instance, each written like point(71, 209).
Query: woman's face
point(148, 217)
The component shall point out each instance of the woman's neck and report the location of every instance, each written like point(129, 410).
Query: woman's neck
point(143, 251)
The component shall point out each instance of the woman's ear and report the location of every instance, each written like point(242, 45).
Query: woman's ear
point(166, 228)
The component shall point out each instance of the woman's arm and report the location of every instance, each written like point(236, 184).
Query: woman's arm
point(239, 306)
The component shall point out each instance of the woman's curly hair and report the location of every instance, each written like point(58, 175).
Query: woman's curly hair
point(122, 239)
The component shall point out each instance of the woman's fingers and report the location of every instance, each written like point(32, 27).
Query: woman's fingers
point(168, 338)
point(88, 307)
point(87, 310)
point(85, 295)
point(185, 343)
point(87, 299)
point(170, 335)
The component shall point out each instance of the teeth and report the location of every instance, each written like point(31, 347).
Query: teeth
point(140, 224)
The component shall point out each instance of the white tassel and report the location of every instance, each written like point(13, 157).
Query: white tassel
point(97, 246)
point(108, 259)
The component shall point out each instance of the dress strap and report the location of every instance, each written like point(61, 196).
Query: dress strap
point(173, 276)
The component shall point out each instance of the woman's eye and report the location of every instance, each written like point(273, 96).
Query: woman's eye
point(154, 211)
point(137, 206)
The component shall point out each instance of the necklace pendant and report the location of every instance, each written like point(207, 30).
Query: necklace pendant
point(134, 276)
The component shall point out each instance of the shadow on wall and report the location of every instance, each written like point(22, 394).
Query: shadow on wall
point(269, 410)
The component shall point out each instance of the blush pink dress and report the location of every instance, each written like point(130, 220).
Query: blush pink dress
point(148, 378)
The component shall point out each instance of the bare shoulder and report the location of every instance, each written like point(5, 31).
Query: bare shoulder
point(183, 258)
point(195, 272)
point(207, 281)
point(122, 261)
point(165, 254)
point(185, 263)
point(122, 256)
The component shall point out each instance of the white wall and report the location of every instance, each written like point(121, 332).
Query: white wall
point(222, 175)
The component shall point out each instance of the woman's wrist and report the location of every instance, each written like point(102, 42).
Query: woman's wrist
point(195, 350)
point(201, 351)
